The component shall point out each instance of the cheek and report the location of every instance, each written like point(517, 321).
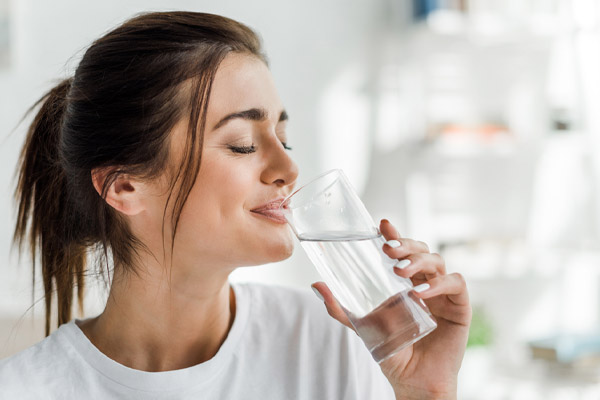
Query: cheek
point(216, 203)
point(216, 220)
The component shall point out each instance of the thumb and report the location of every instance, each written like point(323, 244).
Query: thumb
point(333, 307)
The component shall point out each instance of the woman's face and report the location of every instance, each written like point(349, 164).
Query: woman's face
point(217, 225)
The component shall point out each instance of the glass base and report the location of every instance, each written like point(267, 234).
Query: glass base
point(398, 322)
point(385, 350)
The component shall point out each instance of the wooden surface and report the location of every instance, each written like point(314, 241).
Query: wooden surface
point(18, 333)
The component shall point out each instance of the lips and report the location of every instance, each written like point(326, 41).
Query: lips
point(271, 210)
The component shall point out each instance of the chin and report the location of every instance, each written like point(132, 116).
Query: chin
point(287, 252)
point(281, 252)
point(276, 253)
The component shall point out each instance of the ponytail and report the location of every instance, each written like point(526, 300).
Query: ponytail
point(43, 207)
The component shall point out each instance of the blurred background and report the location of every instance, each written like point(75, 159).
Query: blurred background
point(473, 125)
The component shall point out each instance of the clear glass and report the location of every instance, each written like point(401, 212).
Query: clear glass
point(340, 238)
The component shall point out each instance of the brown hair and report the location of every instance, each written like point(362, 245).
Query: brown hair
point(116, 111)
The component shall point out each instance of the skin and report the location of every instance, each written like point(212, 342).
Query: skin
point(175, 315)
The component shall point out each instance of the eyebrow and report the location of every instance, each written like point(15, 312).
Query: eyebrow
point(253, 114)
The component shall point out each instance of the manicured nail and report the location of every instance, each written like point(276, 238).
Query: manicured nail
point(402, 264)
point(421, 288)
point(393, 243)
point(317, 293)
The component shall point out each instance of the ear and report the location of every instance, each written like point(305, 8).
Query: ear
point(124, 194)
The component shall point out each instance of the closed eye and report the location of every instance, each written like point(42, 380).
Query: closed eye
point(242, 149)
point(250, 149)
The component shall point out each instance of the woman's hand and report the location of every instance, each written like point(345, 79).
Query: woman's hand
point(427, 369)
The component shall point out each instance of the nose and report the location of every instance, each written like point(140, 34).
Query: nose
point(280, 168)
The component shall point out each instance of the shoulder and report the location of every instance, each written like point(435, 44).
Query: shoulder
point(12, 368)
point(290, 304)
point(22, 375)
point(289, 316)
point(293, 324)
point(267, 293)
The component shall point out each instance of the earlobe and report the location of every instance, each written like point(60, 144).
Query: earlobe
point(122, 194)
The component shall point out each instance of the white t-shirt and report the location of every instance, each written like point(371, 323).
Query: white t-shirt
point(282, 345)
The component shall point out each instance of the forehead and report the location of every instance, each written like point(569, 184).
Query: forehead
point(242, 82)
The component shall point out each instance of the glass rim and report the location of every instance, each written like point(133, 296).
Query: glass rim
point(321, 175)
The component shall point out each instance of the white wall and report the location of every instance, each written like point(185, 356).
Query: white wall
point(307, 42)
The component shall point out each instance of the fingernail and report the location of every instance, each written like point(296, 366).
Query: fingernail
point(393, 243)
point(402, 264)
point(421, 288)
point(317, 293)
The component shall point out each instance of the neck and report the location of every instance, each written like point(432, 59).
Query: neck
point(162, 323)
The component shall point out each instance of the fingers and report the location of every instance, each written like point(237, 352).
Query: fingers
point(388, 231)
point(452, 285)
point(424, 263)
point(423, 266)
point(399, 247)
point(333, 307)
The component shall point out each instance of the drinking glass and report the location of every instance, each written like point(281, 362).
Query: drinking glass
point(346, 247)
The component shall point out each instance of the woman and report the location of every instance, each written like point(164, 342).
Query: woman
point(153, 162)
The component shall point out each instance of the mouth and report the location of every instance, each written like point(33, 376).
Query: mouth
point(272, 211)
point(273, 215)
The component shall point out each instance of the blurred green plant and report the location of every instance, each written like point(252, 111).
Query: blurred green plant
point(481, 332)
